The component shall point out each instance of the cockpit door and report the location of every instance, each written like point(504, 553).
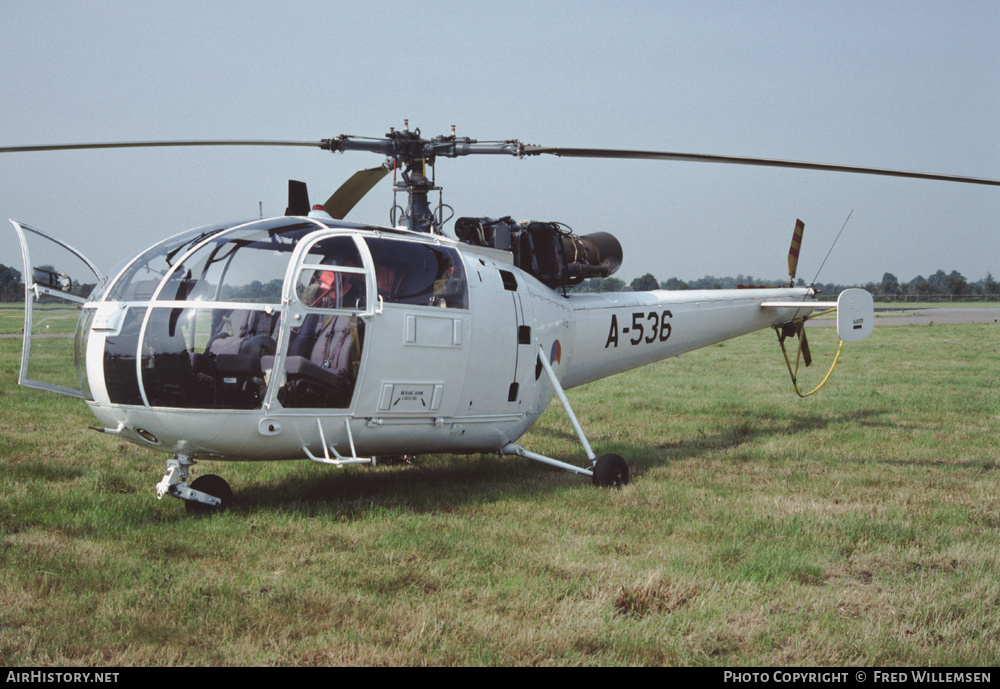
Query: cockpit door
point(328, 302)
point(418, 351)
point(57, 279)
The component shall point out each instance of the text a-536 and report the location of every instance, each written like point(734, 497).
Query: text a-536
point(646, 327)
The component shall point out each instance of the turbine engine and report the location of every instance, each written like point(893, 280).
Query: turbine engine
point(550, 251)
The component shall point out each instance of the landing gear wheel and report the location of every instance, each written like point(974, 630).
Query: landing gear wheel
point(215, 486)
point(610, 471)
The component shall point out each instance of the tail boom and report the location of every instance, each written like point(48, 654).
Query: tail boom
point(616, 332)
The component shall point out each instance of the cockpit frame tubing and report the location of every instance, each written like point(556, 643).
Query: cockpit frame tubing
point(285, 309)
point(31, 288)
point(294, 310)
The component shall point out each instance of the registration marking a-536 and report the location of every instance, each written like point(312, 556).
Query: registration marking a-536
point(646, 327)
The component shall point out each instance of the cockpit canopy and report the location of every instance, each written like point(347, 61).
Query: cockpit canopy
point(207, 318)
point(249, 264)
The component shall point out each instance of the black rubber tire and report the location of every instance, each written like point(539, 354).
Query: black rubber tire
point(215, 486)
point(610, 471)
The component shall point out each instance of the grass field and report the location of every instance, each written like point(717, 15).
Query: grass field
point(858, 527)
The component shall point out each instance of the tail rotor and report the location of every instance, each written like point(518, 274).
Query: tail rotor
point(793, 251)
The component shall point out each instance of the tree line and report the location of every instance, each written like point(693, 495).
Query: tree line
point(11, 287)
point(940, 284)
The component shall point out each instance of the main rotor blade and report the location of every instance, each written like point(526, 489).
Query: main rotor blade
point(740, 160)
point(353, 190)
point(156, 144)
point(394, 147)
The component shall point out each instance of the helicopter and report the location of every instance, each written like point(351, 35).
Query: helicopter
point(307, 336)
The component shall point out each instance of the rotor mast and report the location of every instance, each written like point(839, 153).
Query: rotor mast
point(407, 152)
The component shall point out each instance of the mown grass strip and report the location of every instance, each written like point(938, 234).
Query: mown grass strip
point(858, 527)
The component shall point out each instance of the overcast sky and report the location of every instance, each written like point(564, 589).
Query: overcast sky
point(909, 85)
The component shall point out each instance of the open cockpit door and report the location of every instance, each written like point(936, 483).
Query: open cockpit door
point(58, 280)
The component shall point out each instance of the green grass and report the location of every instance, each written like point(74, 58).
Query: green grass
point(857, 527)
point(991, 303)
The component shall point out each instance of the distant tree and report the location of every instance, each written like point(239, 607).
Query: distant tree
point(711, 282)
point(8, 274)
point(889, 284)
point(921, 286)
point(611, 285)
point(11, 287)
point(956, 283)
point(674, 284)
point(645, 283)
point(83, 289)
point(939, 281)
point(990, 286)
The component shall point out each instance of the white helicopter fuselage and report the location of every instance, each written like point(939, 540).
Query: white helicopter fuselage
point(428, 378)
point(297, 337)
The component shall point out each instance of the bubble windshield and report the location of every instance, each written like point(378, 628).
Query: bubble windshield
point(245, 265)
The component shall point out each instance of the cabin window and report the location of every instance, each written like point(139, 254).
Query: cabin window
point(332, 276)
point(324, 355)
point(119, 360)
point(324, 352)
point(207, 358)
point(417, 274)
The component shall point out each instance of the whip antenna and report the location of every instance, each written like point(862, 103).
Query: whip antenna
point(832, 245)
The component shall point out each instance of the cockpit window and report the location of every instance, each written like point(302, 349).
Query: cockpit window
point(144, 273)
point(199, 358)
point(418, 274)
point(324, 350)
point(243, 266)
point(332, 276)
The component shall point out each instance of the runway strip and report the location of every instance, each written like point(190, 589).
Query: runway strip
point(944, 315)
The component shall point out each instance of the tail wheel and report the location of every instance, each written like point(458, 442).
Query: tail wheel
point(610, 471)
point(215, 486)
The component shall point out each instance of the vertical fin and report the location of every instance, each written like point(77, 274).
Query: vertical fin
point(298, 198)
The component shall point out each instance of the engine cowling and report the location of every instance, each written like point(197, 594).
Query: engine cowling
point(550, 251)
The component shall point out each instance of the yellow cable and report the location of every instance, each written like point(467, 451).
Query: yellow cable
point(792, 373)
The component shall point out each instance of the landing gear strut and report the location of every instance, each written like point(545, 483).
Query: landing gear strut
point(206, 495)
point(608, 470)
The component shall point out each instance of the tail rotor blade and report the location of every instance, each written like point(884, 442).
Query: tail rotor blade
point(352, 191)
point(804, 345)
point(793, 251)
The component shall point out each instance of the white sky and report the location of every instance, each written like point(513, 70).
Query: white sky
point(909, 85)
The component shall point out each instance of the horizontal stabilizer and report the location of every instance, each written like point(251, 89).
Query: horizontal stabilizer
point(855, 315)
point(796, 305)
